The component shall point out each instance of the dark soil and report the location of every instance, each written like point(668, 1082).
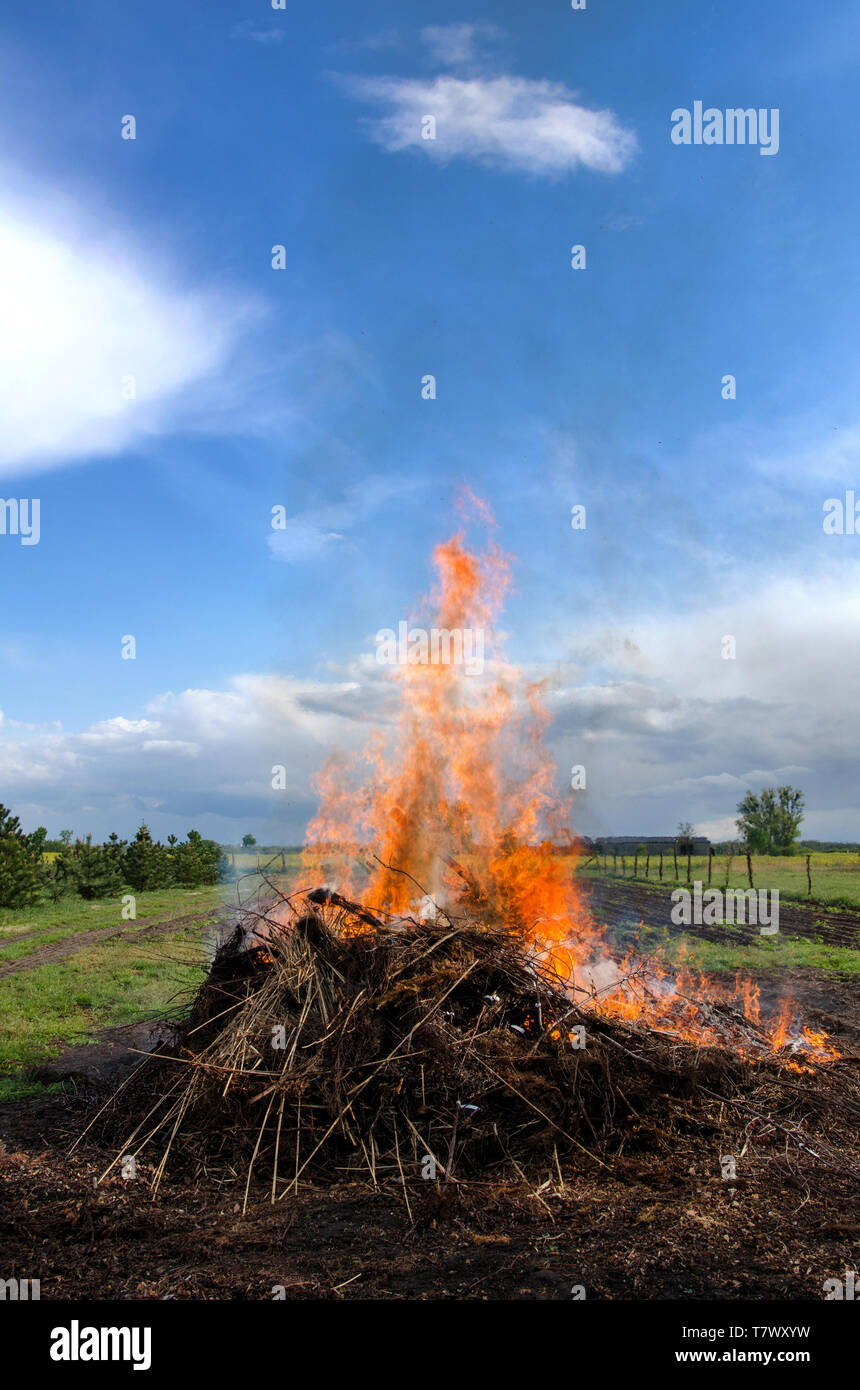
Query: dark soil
point(662, 1228)
point(623, 904)
point(113, 1053)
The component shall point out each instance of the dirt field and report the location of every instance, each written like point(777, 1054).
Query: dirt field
point(623, 905)
point(662, 1229)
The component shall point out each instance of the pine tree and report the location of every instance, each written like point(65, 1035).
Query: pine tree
point(114, 849)
point(19, 863)
point(199, 861)
point(36, 840)
point(92, 870)
point(55, 878)
point(147, 863)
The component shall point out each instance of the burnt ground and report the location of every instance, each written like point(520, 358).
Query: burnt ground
point(651, 1226)
point(659, 1228)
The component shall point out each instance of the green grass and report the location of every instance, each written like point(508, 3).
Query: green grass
point(19, 1088)
point(106, 984)
point(764, 953)
point(835, 875)
point(55, 921)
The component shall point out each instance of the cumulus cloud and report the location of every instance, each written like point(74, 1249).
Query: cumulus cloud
point(200, 758)
point(506, 122)
point(99, 347)
point(680, 736)
point(686, 734)
point(724, 828)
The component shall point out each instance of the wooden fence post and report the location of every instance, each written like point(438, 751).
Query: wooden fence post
point(808, 876)
point(636, 865)
point(689, 862)
point(749, 868)
point(623, 867)
point(647, 864)
point(661, 866)
point(614, 863)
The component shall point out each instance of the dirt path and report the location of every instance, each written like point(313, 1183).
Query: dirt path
point(139, 930)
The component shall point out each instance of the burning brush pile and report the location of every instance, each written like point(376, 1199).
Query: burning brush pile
point(350, 1043)
point(329, 1043)
point(444, 1005)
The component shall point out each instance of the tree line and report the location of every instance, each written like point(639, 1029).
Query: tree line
point(99, 870)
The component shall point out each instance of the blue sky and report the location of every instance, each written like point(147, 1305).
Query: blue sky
point(301, 387)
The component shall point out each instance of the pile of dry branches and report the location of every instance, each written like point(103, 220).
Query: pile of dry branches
point(328, 1042)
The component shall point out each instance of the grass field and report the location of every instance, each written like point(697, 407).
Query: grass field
point(763, 953)
point(835, 876)
point(105, 983)
point(48, 1006)
point(247, 860)
point(25, 930)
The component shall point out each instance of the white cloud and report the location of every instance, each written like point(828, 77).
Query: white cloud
point(171, 747)
point(832, 457)
point(791, 642)
point(680, 738)
point(200, 758)
point(455, 45)
point(688, 732)
point(84, 310)
point(302, 540)
point(312, 533)
point(724, 828)
point(506, 122)
point(731, 781)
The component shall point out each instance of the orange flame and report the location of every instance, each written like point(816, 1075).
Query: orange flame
point(458, 799)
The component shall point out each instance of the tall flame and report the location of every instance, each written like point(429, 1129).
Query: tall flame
point(462, 784)
point(458, 796)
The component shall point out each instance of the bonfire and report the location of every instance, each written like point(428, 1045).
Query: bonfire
point(433, 999)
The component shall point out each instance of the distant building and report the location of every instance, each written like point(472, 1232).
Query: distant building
point(654, 844)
